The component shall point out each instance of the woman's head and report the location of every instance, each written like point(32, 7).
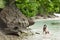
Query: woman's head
point(45, 25)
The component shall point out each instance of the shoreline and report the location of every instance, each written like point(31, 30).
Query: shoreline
point(56, 18)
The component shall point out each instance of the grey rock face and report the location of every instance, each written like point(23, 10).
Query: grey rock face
point(13, 18)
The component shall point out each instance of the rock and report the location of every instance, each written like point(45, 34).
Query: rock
point(39, 17)
point(12, 20)
point(31, 22)
point(37, 33)
point(51, 16)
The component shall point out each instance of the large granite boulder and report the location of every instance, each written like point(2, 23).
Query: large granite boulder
point(12, 20)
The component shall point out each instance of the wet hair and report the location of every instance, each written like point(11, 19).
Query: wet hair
point(45, 25)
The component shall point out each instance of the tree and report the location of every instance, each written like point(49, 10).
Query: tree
point(28, 7)
point(32, 7)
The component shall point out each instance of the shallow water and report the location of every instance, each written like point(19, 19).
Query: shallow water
point(53, 27)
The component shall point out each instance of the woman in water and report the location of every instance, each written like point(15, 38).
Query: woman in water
point(45, 31)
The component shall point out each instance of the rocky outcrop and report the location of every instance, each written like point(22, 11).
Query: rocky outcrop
point(11, 19)
point(31, 21)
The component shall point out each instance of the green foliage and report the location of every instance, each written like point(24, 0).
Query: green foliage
point(32, 7)
point(1, 4)
point(28, 7)
point(49, 6)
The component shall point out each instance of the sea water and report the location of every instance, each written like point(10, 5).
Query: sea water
point(53, 28)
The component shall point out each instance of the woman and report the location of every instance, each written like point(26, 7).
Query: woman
point(45, 31)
